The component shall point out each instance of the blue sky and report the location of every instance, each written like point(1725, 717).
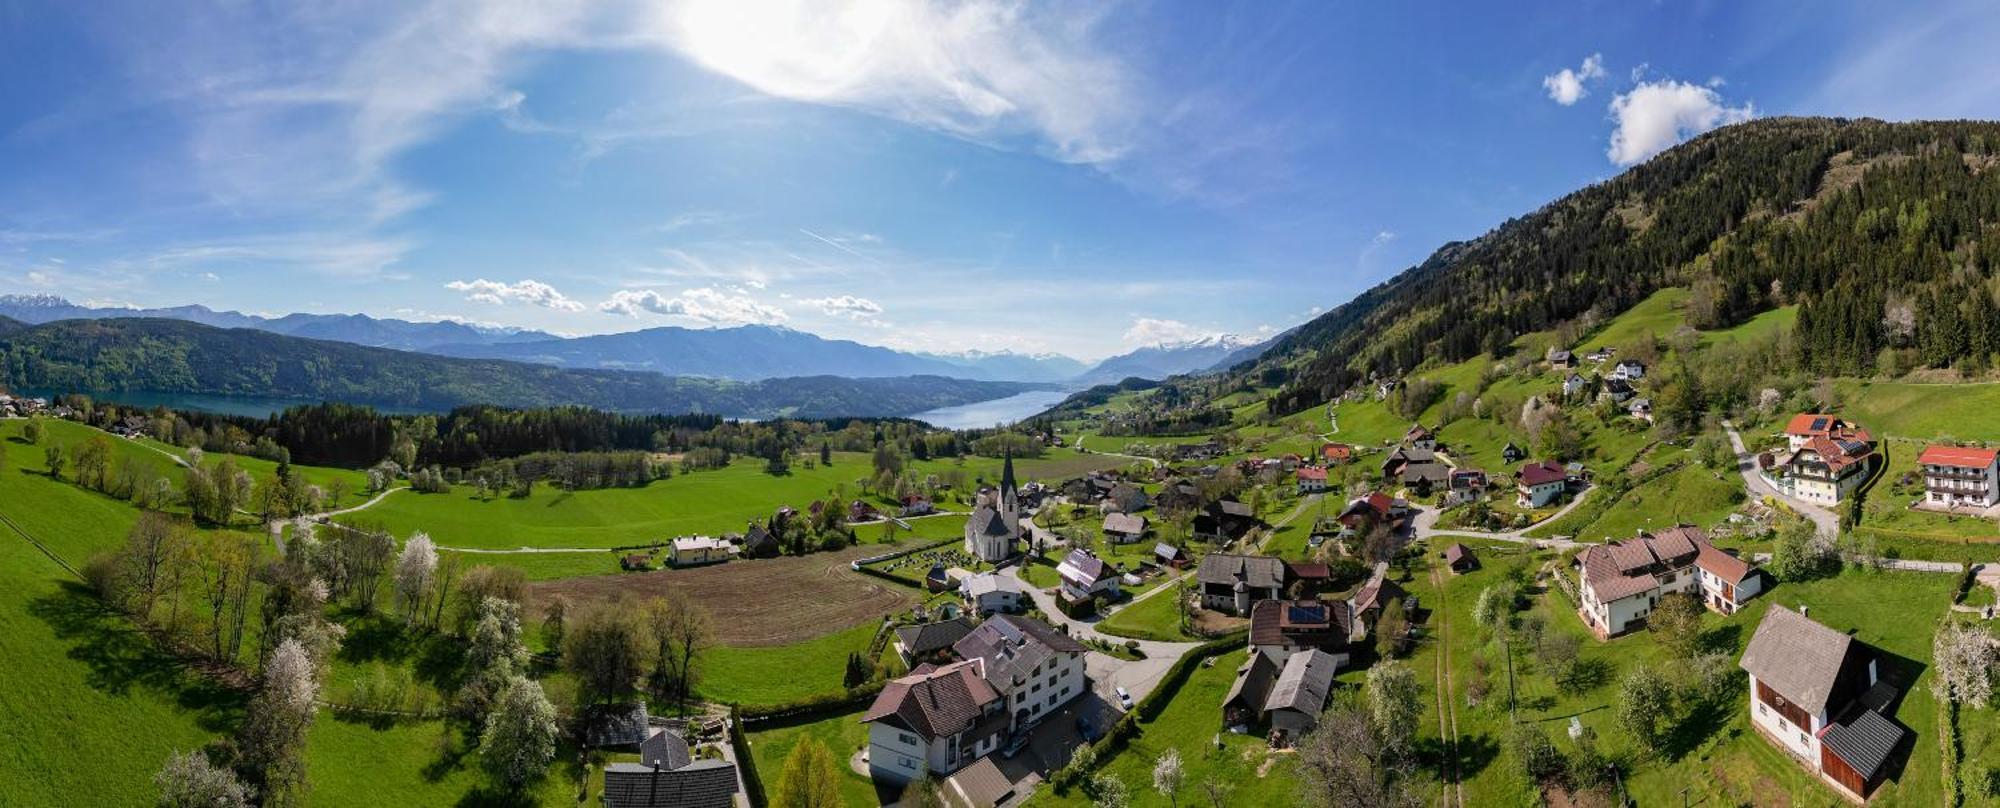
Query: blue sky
point(1080, 178)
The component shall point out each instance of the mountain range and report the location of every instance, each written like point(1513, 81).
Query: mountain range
point(743, 353)
point(131, 354)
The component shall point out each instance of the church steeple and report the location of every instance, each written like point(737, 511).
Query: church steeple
point(1007, 487)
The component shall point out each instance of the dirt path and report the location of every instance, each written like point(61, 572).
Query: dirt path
point(1447, 702)
point(1155, 462)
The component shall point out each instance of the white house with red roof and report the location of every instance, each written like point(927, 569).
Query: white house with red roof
point(1540, 482)
point(1959, 477)
point(934, 721)
point(1312, 480)
point(1806, 426)
point(1622, 582)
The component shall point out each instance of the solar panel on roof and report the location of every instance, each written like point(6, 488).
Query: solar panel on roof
point(1307, 613)
point(1818, 424)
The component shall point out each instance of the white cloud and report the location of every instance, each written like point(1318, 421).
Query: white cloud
point(1565, 87)
point(846, 305)
point(986, 69)
point(1152, 331)
point(1656, 115)
point(526, 291)
point(707, 305)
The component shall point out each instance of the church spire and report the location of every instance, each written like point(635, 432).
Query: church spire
point(1007, 486)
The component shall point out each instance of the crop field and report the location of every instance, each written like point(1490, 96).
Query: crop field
point(759, 602)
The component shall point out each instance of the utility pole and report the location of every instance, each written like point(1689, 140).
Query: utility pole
point(1507, 639)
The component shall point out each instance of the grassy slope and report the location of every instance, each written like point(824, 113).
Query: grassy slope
point(775, 675)
point(843, 734)
point(1924, 411)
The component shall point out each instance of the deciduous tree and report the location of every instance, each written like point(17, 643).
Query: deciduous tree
point(520, 737)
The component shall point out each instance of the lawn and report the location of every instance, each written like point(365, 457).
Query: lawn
point(1688, 495)
point(843, 734)
point(1154, 618)
point(781, 674)
point(1923, 411)
point(1192, 725)
point(350, 763)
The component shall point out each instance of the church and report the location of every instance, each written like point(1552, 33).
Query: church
point(995, 526)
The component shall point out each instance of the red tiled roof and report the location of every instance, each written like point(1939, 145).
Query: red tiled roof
point(934, 703)
point(1960, 456)
point(1310, 473)
point(1722, 565)
point(1541, 473)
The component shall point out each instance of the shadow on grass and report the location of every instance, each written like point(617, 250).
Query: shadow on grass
point(1724, 639)
point(123, 659)
point(434, 658)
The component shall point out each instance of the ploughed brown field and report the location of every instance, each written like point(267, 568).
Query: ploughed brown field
point(757, 602)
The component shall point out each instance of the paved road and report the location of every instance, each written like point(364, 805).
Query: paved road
point(1746, 465)
point(1423, 527)
point(1154, 461)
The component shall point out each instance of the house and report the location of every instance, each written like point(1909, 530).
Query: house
point(1539, 483)
point(1035, 668)
point(668, 775)
point(1959, 476)
point(614, 725)
point(1127, 498)
point(1622, 582)
point(758, 542)
point(993, 593)
point(1640, 408)
point(1818, 693)
point(1289, 696)
point(1423, 478)
point(917, 505)
point(1178, 496)
point(1574, 384)
point(1601, 354)
point(1618, 390)
point(1404, 457)
point(690, 551)
point(1311, 480)
point(1420, 437)
point(1373, 598)
point(1087, 577)
point(1125, 528)
point(859, 511)
point(930, 642)
point(1460, 559)
point(1336, 453)
point(1170, 556)
point(1804, 427)
point(1375, 508)
point(1828, 469)
point(1628, 370)
point(935, 720)
point(1231, 582)
point(1466, 485)
point(1280, 628)
point(1563, 360)
point(1511, 453)
point(1225, 520)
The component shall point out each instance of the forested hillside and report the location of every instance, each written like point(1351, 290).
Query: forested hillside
point(1883, 235)
point(180, 357)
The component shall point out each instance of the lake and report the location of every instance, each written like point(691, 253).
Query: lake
point(993, 412)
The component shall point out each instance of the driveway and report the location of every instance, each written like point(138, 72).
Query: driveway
point(1423, 526)
point(1746, 465)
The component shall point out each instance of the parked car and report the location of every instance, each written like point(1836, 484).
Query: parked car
point(1124, 697)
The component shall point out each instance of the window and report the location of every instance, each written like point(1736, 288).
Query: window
point(1052, 699)
point(905, 762)
point(908, 739)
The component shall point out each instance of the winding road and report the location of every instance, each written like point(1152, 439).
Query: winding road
point(1746, 465)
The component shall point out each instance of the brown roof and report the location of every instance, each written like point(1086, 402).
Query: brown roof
point(1456, 552)
point(1969, 457)
point(936, 702)
point(1607, 580)
point(1797, 657)
point(1630, 555)
point(1322, 623)
point(1378, 591)
point(980, 785)
point(1722, 565)
point(1674, 542)
point(1541, 473)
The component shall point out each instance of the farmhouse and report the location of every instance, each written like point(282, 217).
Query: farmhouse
point(1561, 359)
point(1623, 581)
point(1289, 695)
point(1827, 469)
point(1423, 478)
point(1231, 582)
point(1125, 528)
point(1420, 437)
point(1336, 453)
point(669, 776)
point(1640, 408)
point(1575, 383)
point(933, 721)
point(1628, 370)
point(1225, 520)
point(1511, 453)
point(1375, 508)
point(993, 593)
point(1804, 427)
point(1960, 476)
point(1467, 485)
point(1311, 480)
point(1540, 483)
point(758, 542)
point(1374, 597)
point(1087, 577)
point(1404, 457)
point(1618, 390)
point(690, 551)
point(1280, 628)
point(1169, 556)
point(917, 505)
point(1817, 693)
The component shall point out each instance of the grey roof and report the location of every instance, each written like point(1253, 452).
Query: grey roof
point(1084, 567)
point(615, 725)
point(990, 582)
point(929, 637)
point(1127, 523)
point(1252, 687)
point(1010, 646)
point(1431, 472)
point(666, 748)
point(1797, 657)
point(1304, 683)
point(706, 783)
point(987, 521)
point(1864, 740)
point(1230, 507)
point(1167, 551)
point(1261, 572)
point(980, 785)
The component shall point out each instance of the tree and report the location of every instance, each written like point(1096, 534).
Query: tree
point(1963, 655)
point(1389, 630)
point(520, 737)
point(1345, 763)
point(1802, 554)
point(150, 547)
point(413, 573)
point(32, 431)
point(1394, 704)
point(1645, 706)
point(552, 622)
point(604, 647)
point(1538, 756)
point(922, 792)
point(225, 565)
point(1167, 774)
point(810, 779)
point(274, 732)
point(1677, 621)
point(1107, 791)
point(1494, 610)
point(188, 780)
point(53, 457)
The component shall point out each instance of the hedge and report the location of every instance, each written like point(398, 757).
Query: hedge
point(746, 763)
point(815, 706)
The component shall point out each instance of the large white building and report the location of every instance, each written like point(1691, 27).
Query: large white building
point(1622, 582)
point(1012, 672)
point(994, 530)
point(1960, 476)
